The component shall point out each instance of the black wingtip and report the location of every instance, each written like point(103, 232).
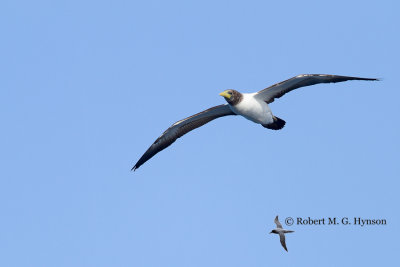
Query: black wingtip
point(375, 79)
point(134, 168)
point(366, 79)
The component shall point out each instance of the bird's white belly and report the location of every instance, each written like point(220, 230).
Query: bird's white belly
point(254, 110)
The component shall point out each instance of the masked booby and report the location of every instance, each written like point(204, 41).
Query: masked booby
point(252, 106)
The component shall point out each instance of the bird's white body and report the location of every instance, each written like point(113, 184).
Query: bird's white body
point(253, 109)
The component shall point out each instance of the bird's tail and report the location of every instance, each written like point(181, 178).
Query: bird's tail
point(276, 125)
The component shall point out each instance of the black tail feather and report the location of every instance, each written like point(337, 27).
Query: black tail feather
point(276, 125)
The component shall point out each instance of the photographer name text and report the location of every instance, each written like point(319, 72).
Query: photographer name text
point(335, 221)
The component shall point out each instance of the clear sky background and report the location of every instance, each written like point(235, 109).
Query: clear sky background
point(87, 86)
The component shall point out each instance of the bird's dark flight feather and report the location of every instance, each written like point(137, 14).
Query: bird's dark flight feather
point(182, 127)
point(282, 239)
point(276, 221)
point(277, 90)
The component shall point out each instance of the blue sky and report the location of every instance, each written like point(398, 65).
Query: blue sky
point(87, 86)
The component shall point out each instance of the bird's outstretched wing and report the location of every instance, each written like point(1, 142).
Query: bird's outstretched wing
point(277, 90)
point(282, 238)
point(276, 221)
point(182, 127)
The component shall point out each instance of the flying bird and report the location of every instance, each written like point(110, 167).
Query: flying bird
point(281, 232)
point(252, 106)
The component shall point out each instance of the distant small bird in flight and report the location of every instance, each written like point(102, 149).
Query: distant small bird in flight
point(252, 106)
point(281, 232)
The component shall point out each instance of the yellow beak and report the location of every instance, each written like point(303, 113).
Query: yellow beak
point(225, 94)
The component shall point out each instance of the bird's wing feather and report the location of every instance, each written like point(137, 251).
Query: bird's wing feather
point(282, 238)
point(277, 90)
point(182, 127)
point(278, 224)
